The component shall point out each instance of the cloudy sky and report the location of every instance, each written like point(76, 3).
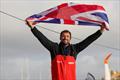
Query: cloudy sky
point(22, 57)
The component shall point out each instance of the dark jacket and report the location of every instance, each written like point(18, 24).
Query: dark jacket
point(72, 49)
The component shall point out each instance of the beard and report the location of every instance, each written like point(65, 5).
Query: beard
point(65, 42)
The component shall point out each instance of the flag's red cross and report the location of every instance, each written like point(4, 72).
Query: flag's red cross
point(64, 13)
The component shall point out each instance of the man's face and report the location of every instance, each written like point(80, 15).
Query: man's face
point(65, 38)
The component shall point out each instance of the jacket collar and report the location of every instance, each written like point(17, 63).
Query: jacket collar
point(64, 45)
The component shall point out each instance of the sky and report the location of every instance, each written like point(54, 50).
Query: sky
point(22, 57)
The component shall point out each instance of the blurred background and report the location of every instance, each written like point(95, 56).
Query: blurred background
point(22, 57)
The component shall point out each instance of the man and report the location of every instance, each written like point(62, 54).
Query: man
point(64, 54)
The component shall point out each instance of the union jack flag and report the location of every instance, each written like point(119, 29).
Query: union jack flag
point(75, 14)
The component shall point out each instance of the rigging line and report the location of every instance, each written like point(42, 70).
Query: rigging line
point(12, 16)
point(56, 31)
point(36, 25)
point(106, 46)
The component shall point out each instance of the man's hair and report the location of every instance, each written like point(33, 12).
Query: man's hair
point(65, 31)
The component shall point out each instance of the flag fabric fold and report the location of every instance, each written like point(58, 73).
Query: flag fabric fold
point(74, 14)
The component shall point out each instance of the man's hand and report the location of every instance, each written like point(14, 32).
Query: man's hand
point(102, 28)
point(30, 24)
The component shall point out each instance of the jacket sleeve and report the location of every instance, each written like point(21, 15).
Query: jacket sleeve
point(85, 43)
point(44, 41)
